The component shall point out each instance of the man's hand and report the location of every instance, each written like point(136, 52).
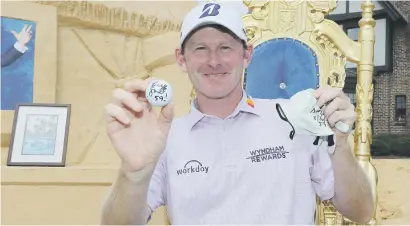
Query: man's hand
point(336, 107)
point(137, 133)
point(24, 36)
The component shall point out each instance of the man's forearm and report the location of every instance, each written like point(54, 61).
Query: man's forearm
point(127, 200)
point(353, 194)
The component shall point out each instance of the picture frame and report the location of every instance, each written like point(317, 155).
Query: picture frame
point(31, 77)
point(39, 135)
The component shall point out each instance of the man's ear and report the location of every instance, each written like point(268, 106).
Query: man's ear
point(247, 56)
point(180, 59)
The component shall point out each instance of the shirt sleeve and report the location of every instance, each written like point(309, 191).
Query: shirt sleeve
point(157, 190)
point(322, 170)
point(20, 48)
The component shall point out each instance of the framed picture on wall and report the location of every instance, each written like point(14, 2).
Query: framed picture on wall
point(39, 135)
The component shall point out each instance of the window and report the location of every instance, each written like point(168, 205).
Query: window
point(353, 33)
point(400, 109)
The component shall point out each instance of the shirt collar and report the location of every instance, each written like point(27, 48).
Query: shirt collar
point(246, 105)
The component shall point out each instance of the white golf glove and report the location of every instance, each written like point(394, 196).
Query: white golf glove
point(306, 117)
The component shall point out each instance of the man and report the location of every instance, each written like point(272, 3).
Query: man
point(19, 48)
point(207, 167)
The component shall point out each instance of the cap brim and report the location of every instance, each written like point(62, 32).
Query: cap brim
point(205, 23)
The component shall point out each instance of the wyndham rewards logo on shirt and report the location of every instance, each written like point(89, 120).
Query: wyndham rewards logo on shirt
point(269, 153)
point(193, 166)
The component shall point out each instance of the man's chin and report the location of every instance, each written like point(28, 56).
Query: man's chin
point(217, 97)
point(218, 94)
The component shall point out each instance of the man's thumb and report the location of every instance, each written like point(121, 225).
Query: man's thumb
point(167, 115)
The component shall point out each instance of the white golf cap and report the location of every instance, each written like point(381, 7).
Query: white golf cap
point(213, 13)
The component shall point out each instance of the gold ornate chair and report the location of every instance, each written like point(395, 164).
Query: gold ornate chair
point(297, 48)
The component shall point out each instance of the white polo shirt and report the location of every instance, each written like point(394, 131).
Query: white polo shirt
point(244, 169)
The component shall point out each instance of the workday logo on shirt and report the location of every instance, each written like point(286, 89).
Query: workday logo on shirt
point(193, 166)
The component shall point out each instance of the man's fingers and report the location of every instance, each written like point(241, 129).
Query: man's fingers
point(137, 86)
point(29, 29)
point(345, 116)
point(24, 28)
point(167, 113)
point(127, 99)
point(328, 96)
point(115, 112)
point(346, 97)
point(336, 104)
point(335, 117)
point(166, 116)
point(320, 91)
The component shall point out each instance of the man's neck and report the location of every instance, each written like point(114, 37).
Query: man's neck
point(220, 108)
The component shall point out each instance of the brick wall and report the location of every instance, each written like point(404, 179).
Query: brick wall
point(397, 82)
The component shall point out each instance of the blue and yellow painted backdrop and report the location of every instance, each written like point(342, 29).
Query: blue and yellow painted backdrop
point(17, 77)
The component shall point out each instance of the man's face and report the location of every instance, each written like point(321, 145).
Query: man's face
point(214, 62)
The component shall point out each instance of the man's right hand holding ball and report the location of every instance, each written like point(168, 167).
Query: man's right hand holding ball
point(137, 133)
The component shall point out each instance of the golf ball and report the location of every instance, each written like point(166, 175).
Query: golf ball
point(159, 93)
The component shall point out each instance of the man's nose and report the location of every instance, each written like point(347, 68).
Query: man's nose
point(213, 59)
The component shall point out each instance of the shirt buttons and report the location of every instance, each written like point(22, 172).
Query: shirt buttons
point(282, 85)
point(230, 166)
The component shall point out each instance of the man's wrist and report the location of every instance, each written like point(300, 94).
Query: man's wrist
point(340, 140)
point(21, 47)
point(137, 175)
